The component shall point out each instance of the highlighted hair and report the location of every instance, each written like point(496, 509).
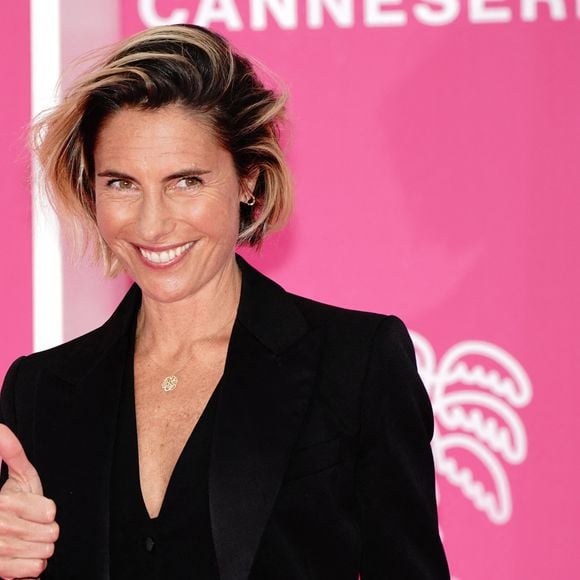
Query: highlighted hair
point(179, 64)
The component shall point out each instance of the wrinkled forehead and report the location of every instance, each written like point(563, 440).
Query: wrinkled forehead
point(171, 127)
point(158, 142)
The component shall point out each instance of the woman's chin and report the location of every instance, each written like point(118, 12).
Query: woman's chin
point(185, 279)
point(164, 294)
point(160, 284)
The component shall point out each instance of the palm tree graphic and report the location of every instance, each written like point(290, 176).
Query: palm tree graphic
point(476, 389)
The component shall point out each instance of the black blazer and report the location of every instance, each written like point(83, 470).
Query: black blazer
point(320, 464)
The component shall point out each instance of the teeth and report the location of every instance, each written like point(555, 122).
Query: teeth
point(166, 255)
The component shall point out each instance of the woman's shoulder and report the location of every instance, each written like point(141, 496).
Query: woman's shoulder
point(354, 341)
point(349, 320)
point(69, 358)
point(364, 359)
point(346, 328)
point(76, 356)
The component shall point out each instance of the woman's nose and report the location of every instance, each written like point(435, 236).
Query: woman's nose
point(155, 221)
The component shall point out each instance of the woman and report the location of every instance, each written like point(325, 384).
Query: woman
point(216, 426)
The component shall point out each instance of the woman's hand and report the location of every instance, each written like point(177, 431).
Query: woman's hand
point(28, 529)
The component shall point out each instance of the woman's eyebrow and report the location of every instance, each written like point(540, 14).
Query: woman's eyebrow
point(186, 173)
point(113, 173)
point(176, 175)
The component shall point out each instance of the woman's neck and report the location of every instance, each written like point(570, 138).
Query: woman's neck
point(172, 330)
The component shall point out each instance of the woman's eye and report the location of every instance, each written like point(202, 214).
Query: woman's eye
point(188, 182)
point(120, 184)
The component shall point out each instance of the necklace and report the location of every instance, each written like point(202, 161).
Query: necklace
point(169, 383)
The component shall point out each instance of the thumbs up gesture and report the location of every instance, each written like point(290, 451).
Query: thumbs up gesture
point(28, 529)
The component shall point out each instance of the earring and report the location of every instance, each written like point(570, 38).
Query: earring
point(250, 201)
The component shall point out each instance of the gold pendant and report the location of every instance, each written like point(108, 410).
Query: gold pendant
point(169, 383)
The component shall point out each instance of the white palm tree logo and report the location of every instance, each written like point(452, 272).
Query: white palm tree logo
point(476, 389)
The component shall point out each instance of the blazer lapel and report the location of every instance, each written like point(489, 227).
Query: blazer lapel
point(80, 395)
point(265, 393)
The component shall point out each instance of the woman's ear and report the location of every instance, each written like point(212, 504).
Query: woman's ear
point(248, 184)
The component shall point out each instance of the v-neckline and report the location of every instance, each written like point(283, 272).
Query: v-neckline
point(136, 471)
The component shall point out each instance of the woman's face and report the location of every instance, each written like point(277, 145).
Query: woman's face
point(167, 201)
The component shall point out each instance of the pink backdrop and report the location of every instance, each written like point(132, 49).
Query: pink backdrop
point(15, 204)
point(434, 149)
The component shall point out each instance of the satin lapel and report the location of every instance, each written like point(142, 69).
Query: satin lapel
point(262, 403)
point(77, 416)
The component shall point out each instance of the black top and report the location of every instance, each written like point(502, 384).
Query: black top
point(320, 459)
point(178, 542)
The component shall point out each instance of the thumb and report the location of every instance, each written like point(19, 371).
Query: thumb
point(19, 468)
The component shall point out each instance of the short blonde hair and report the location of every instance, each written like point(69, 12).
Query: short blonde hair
point(179, 64)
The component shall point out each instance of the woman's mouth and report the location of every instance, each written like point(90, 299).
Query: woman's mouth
point(164, 257)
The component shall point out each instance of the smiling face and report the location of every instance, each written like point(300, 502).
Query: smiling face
point(167, 201)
